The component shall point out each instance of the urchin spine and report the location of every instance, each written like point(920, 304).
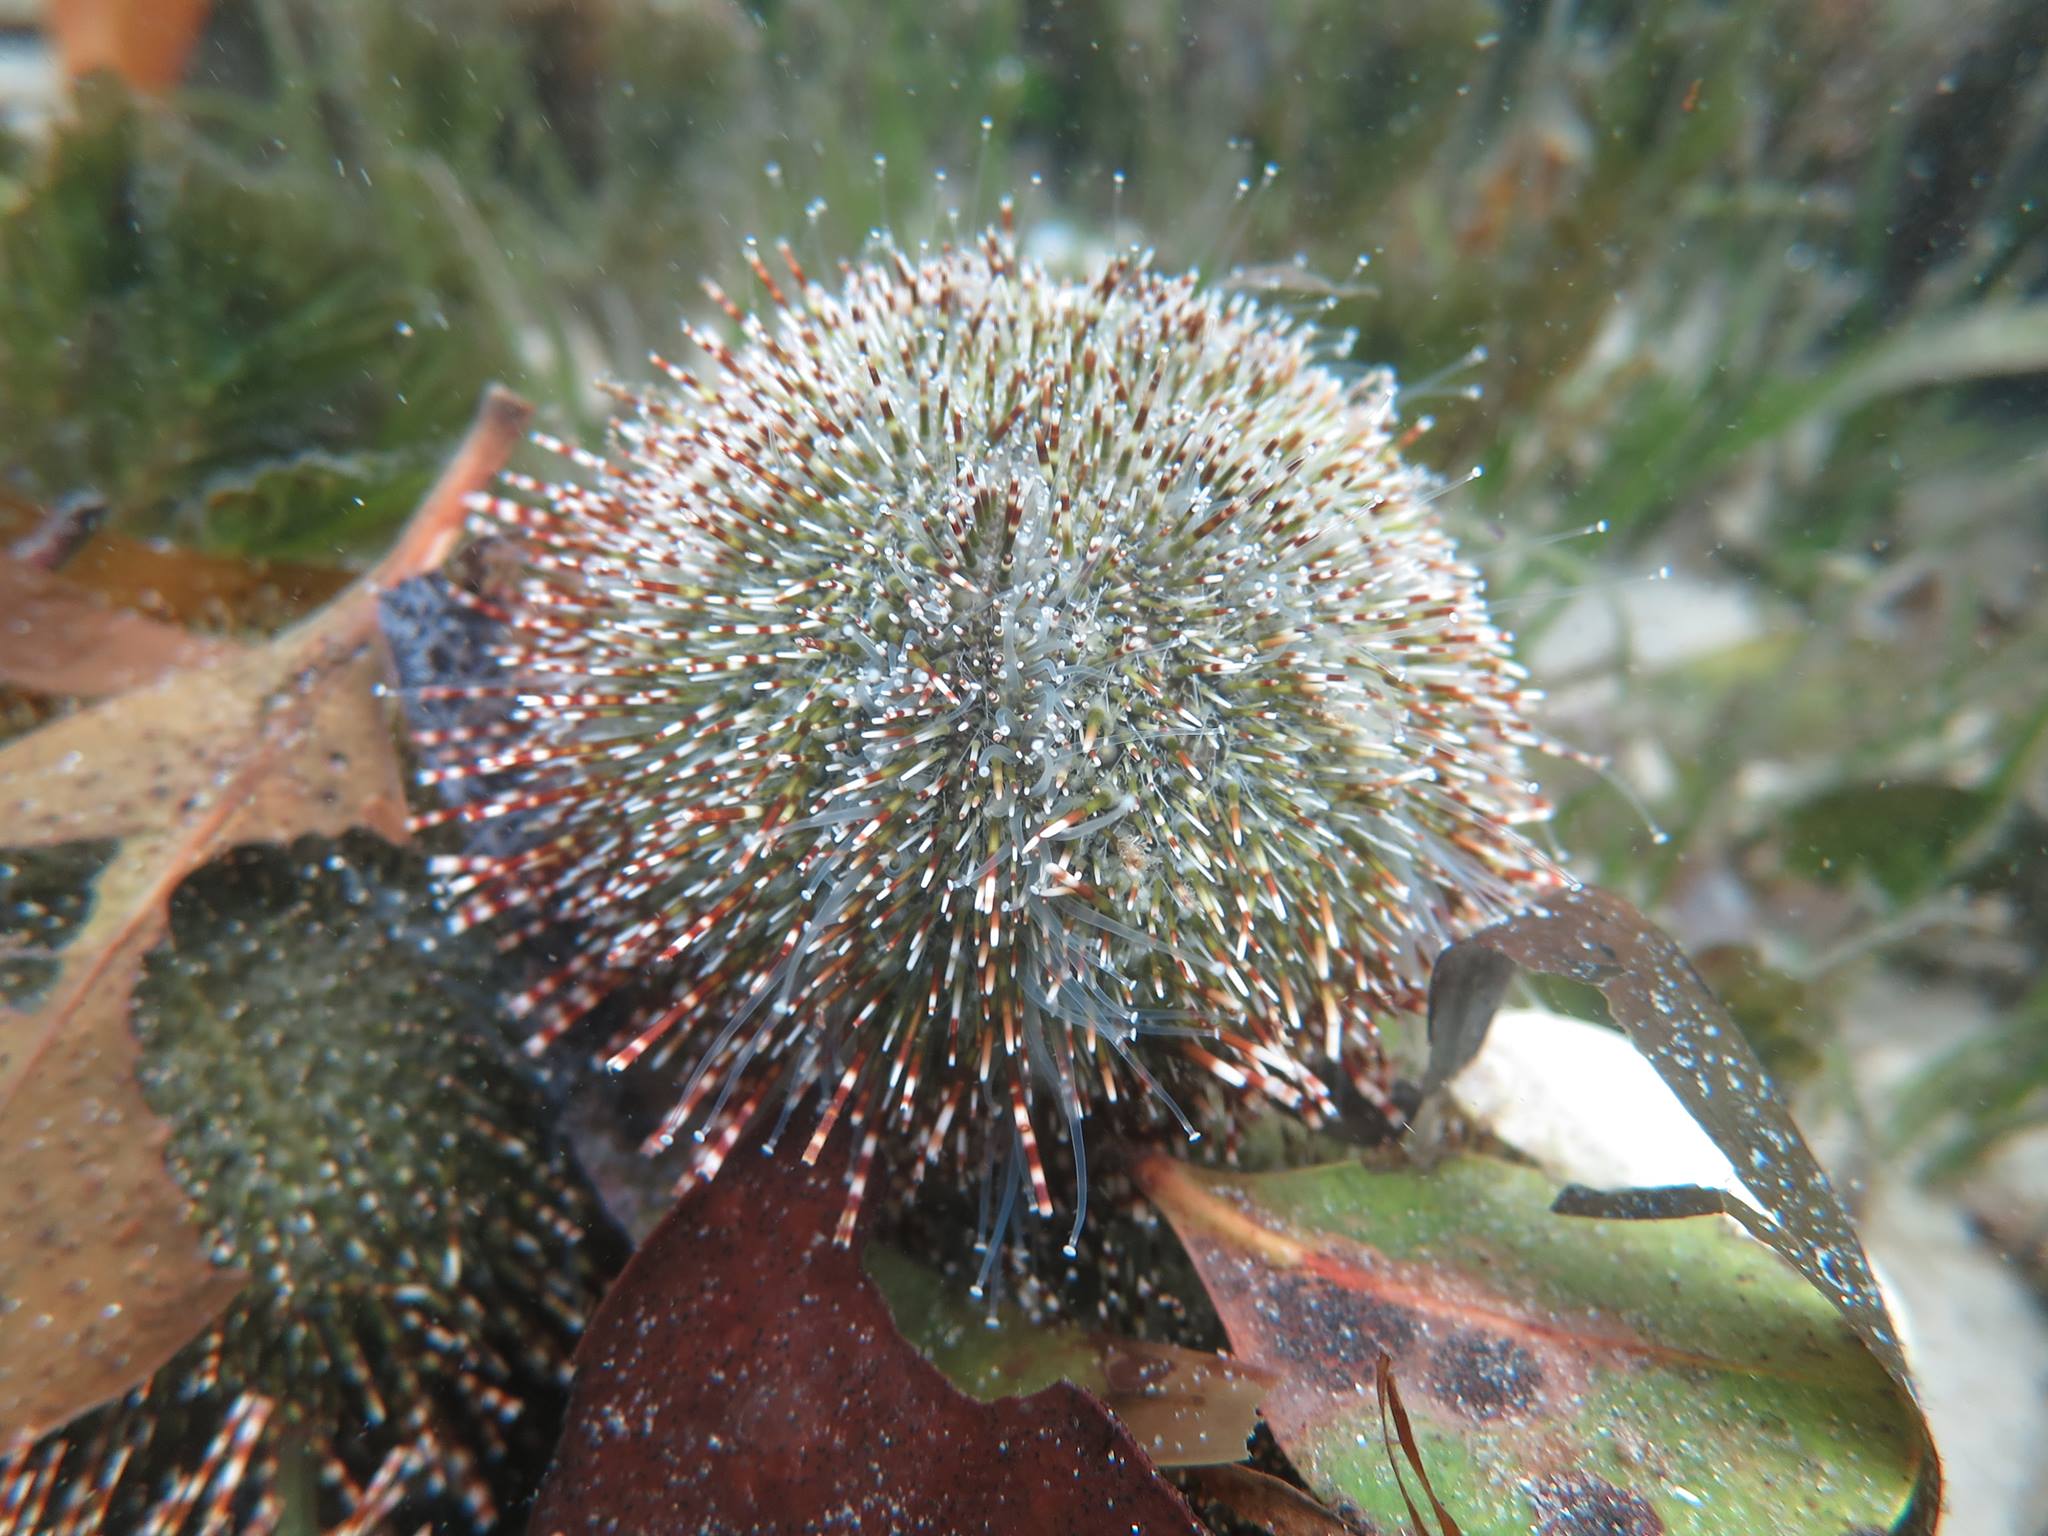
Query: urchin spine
point(982, 688)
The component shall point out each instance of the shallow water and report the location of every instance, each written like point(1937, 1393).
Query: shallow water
point(992, 723)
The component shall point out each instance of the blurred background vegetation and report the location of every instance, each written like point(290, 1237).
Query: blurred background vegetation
point(1761, 400)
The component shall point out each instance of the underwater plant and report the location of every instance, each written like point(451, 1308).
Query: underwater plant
point(420, 1259)
point(984, 691)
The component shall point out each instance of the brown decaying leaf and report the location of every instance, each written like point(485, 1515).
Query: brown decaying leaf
point(1264, 1500)
point(1656, 997)
point(145, 42)
point(1188, 1408)
point(744, 1375)
point(101, 1277)
point(60, 638)
point(172, 584)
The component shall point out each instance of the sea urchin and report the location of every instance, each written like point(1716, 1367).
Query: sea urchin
point(983, 690)
point(420, 1258)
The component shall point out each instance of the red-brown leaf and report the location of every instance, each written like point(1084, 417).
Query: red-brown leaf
point(744, 1375)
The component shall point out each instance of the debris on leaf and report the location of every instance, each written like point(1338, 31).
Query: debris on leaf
point(1186, 1407)
point(744, 1374)
point(1547, 1369)
point(225, 593)
point(101, 1277)
point(1395, 1429)
point(50, 536)
point(1266, 1501)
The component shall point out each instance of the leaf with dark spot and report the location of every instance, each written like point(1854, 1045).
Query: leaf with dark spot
point(1657, 999)
point(744, 1375)
point(1448, 1331)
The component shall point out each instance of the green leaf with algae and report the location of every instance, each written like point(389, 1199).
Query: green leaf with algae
point(1562, 1374)
point(1185, 1407)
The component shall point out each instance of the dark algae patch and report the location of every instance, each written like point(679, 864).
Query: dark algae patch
point(1584, 1505)
point(1487, 1375)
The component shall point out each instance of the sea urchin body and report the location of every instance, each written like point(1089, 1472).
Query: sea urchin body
point(983, 692)
point(420, 1259)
